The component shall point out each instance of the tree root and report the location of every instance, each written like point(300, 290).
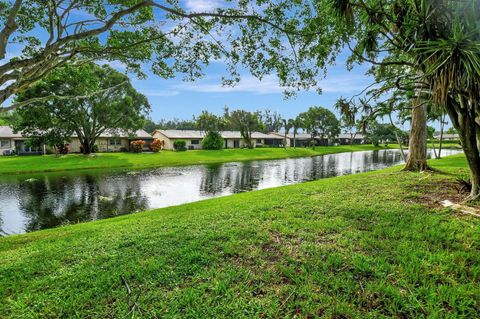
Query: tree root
point(461, 208)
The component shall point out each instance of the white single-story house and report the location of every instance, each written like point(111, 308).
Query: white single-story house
point(109, 141)
point(11, 143)
point(447, 137)
point(115, 141)
point(232, 139)
point(303, 139)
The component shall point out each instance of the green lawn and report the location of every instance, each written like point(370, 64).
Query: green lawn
point(50, 163)
point(370, 245)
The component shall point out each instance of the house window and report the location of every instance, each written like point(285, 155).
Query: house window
point(115, 141)
point(195, 142)
point(259, 141)
point(4, 143)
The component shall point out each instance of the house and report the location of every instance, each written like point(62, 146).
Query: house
point(447, 137)
point(11, 143)
point(109, 141)
point(114, 141)
point(303, 139)
point(346, 138)
point(232, 139)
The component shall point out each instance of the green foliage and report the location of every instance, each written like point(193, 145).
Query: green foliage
point(381, 133)
point(109, 103)
point(358, 246)
point(245, 122)
point(212, 141)
point(208, 122)
point(319, 121)
point(167, 36)
point(180, 145)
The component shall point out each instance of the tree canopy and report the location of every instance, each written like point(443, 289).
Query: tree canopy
point(108, 102)
point(265, 37)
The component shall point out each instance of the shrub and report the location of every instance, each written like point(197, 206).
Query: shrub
point(180, 145)
point(156, 145)
point(62, 148)
point(137, 146)
point(212, 141)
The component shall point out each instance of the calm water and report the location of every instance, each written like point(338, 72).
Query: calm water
point(33, 202)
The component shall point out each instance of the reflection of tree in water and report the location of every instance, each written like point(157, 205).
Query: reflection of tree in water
point(2, 232)
point(53, 202)
point(246, 178)
point(215, 178)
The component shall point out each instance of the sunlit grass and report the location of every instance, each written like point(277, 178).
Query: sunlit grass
point(30, 164)
point(358, 246)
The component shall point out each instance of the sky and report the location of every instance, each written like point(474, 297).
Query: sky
point(174, 98)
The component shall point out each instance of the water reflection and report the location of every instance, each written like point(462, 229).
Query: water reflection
point(29, 203)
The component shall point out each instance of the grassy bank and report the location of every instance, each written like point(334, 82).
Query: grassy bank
point(358, 246)
point(50, 163)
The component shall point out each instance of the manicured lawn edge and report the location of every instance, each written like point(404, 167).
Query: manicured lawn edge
point(73, 162)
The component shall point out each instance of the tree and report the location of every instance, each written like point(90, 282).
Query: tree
point(100, 108)
point(319, 121)
point(213, 141)
point(380, 133)
point(287, 125)
point(271, 121)
point(167, 35)
point(246, 123)
point(348, 117)
point(208, 122)
point(296, 124)
point(149, 126)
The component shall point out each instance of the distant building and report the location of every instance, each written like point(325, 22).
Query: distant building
point(232, 139)
point(115, 141)
point(11, 143)
point(303, 139)
point(109, 141)
point(447, 137)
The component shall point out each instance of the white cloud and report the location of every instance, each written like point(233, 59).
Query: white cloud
point(203, 5)
point(345, 83)
point(159, 92)
point(248, 83)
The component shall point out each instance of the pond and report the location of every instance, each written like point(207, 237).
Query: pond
point(33, 202)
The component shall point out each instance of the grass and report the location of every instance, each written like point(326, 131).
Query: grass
point(370, 245)
point(50, 163)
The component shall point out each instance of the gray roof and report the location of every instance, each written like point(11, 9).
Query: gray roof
point(189, 134)
point(7, 132)
point(307, 136)
point(122, 133)
point(446, 135)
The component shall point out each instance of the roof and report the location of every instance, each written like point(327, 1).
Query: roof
point(189, 134)
point(7, 131)
point(307, 136)
point(122, 133)
point(446, 135)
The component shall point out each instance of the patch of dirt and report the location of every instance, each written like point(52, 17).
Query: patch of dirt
point(433, 194)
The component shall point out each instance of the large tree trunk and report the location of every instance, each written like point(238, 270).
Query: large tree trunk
point(417, 147)
point(86, 148)
point(463, 119)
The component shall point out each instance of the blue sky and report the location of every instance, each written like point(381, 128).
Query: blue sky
point(174, 98)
